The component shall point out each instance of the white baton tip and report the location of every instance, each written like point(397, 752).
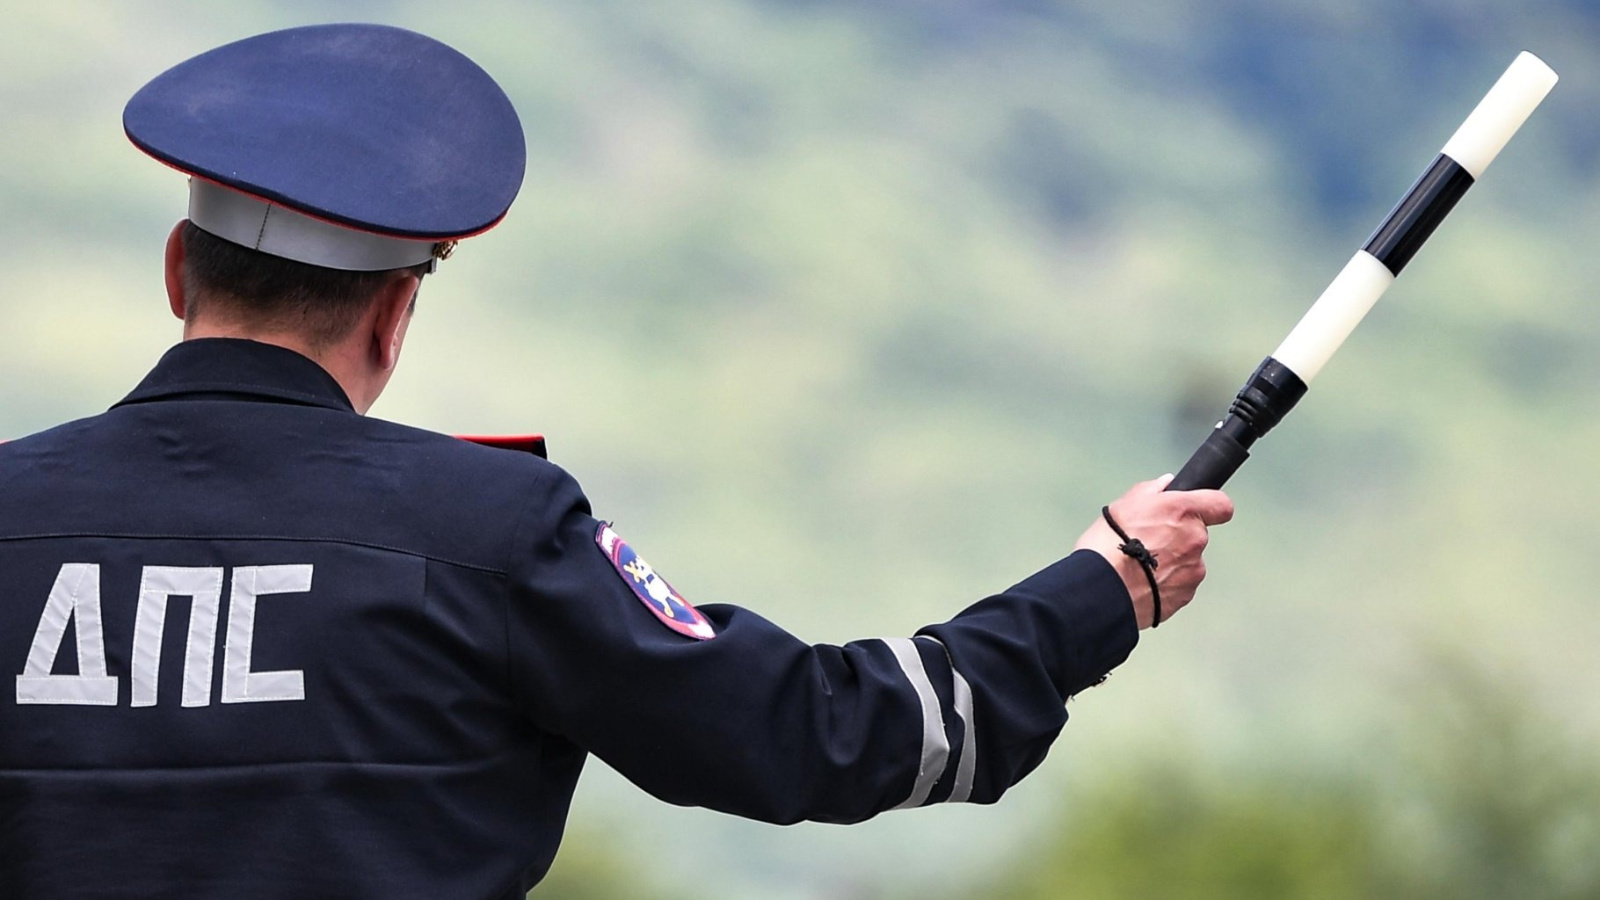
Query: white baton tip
point(1342, 306)
point(1500, 113)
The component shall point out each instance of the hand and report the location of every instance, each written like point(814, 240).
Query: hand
point(1172, 526)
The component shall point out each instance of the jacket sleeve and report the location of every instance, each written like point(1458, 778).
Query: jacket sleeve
point(757, 723)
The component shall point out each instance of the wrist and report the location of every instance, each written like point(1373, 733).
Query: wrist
point(1134, 549)
point(1102, 540)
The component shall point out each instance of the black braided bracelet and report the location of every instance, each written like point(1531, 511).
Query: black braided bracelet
point(1142, 555)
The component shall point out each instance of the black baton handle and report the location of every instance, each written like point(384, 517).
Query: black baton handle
point(1273, 390)
point(1212, 464)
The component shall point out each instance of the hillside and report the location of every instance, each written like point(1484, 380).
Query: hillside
point(855, 312)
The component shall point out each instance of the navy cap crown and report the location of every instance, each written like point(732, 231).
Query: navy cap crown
point(371, 127)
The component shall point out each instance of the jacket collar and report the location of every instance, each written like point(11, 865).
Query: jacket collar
point(240, 368)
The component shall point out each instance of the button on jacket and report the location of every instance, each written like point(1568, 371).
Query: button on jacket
point(264, 646)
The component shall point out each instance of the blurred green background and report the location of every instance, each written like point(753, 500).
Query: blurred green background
point(854, 312)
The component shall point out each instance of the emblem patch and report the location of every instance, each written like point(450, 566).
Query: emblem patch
point(651, 589)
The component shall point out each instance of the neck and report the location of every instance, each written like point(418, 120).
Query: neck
point(344, 360)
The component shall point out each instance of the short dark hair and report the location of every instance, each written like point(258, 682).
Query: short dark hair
point(321, 303)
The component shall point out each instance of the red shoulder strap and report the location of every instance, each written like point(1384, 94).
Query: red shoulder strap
point(527, 443)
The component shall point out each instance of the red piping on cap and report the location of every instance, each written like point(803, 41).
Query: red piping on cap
point(307, 213)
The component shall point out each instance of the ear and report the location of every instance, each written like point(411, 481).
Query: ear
point(176, 298)
point(394, 315)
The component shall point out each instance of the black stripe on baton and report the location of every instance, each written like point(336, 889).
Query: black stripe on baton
point(1421, 210)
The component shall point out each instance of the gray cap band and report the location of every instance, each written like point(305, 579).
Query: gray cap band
point(280, 231)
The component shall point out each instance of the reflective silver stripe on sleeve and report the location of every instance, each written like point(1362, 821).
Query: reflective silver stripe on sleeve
point(935, 746)
point(967, 765)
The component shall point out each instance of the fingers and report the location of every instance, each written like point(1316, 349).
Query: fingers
point(1172, 525)
point(1211, 507)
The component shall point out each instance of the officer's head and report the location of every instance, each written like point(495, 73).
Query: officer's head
point(331, 168)
point(216, 285)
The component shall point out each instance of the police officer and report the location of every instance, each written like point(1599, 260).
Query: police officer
point(265, 646)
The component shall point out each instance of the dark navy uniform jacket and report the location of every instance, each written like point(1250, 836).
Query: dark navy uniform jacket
point(265, 647)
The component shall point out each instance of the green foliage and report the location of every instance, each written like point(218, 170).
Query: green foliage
point(1171, 834)
point(589, 867)
point(1488, 799)
point(1499, 799)
point(855, 311)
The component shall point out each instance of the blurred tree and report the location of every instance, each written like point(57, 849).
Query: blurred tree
point(1498, 799)
point(1169, 834)
point(589, 867)
point(1487, 797)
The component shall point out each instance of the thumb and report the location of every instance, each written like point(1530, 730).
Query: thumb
point(1213, 507)
point(1154, 486)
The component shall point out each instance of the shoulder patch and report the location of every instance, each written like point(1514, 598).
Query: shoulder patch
point(651, 589)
